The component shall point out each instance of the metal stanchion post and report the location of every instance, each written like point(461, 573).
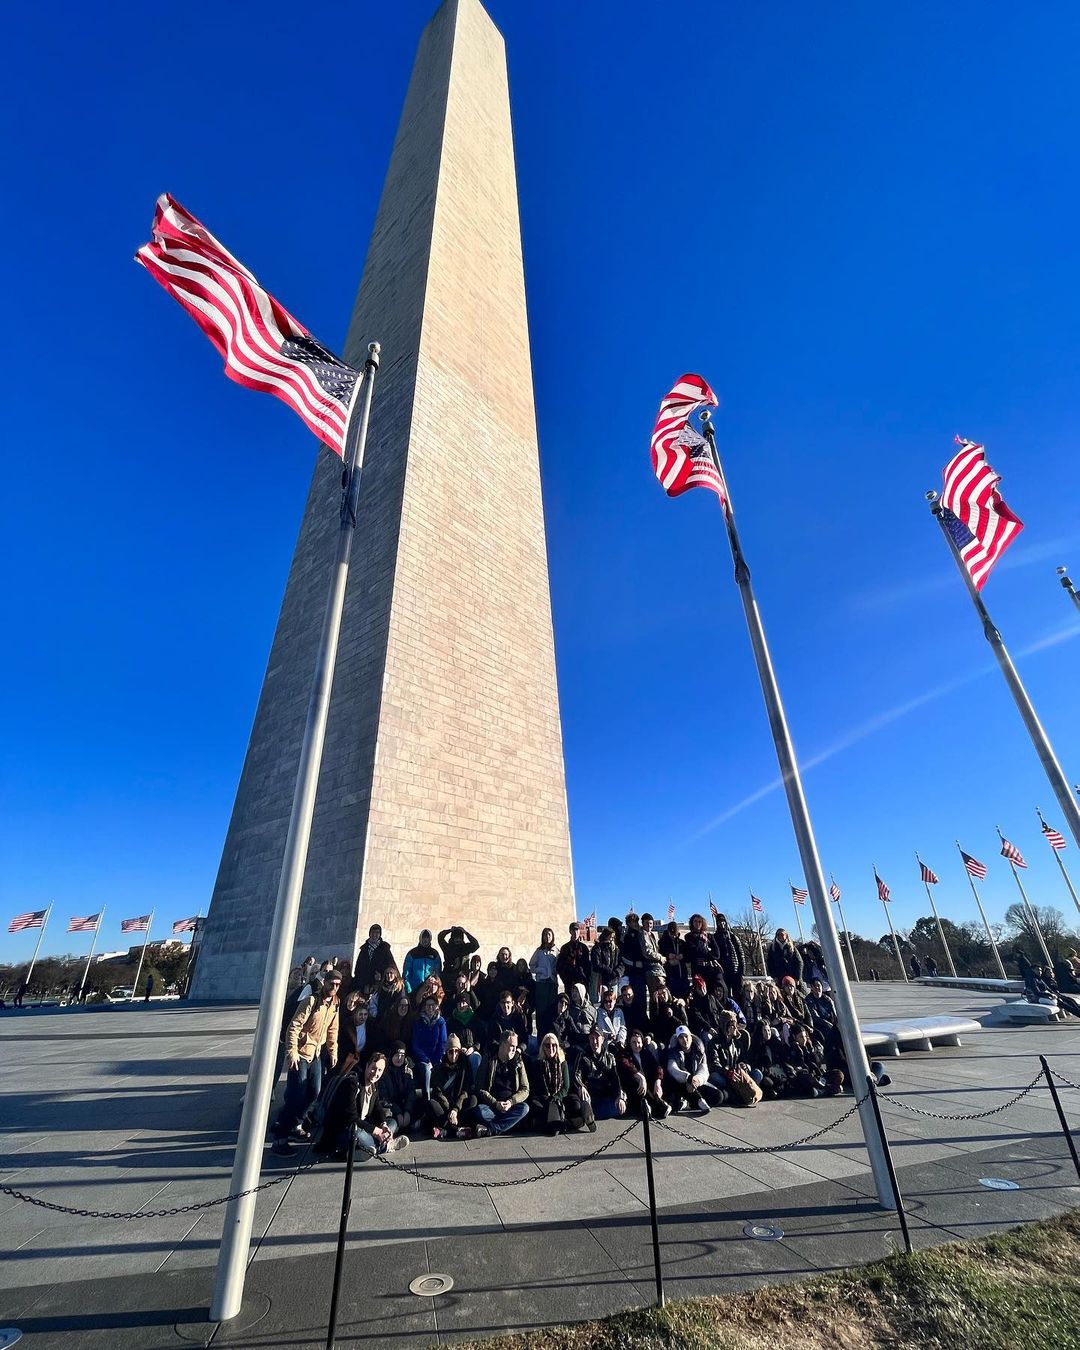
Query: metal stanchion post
point(652, 1205)
point(871, 1087)
point(339, 1261)
point(1061, 1113)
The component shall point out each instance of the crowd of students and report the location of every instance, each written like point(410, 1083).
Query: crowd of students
point(442, 1046)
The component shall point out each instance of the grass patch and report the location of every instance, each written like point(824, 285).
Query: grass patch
point(1018, 1290)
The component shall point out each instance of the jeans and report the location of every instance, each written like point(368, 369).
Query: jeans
point(423, 1074)
point(301, 1088)
point(605, 1108)
point(365, 1142)
point(498, 1122)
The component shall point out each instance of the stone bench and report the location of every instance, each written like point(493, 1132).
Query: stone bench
point(1019, 1012)
point(919, 1033)
point(982, 984)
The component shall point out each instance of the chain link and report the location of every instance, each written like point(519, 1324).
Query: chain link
point(966, 1115)
point(1067, 1081)
point(517, 1181)
point(765, 1148)
point(155, 1213)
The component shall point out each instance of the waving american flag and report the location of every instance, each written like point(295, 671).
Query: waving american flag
point(680, 455)
point(981, 525)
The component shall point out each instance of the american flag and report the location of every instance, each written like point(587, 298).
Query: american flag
point(139, 925)
point(631, 910)
point(34, 918)
point(834, 891)
point(882, 890)
point(1054, 838)
point(263, 345)
point(1011, 852)
point(981, 525)
point(185, 925)
point(713, 911)
point(759, 908)
point(799, 896)
point(88, 925)
point(926, 874)
point(973, 866)
point(671, 913)
point(680, 455)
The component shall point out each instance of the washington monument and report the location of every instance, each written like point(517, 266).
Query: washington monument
point(442, 796)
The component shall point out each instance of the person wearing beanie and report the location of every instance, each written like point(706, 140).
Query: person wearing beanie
point(451, 1098)
point(397, 1087)
point(686, 1082)
point(420, 963)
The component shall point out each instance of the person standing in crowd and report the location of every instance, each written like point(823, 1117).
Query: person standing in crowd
point(352, 1030)
point(916, 966)
point(813, 959)
point(732, 958)
point(420, 963)
point(618, 928)
point(373, 958)
point(313, 1025)
point(451, 1097)
point(606, 963)
point(457, 946)
point(701, 955)
point(575, 960)
point(149, 988)
point(782, 958)
point(931, 967)
point(642, 1077)
point(598, 1075)
point(505, 977)
point(428, 1043)
point(502, 1090)
point(686, 1081)
point(395, 1021)
point(641, 955)
point(543, 966)
point(670, 944)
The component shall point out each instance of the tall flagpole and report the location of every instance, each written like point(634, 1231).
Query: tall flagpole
point(982, 915)
point(142, 954)
point(1039, 739)
point(1057, 858)
point(1028, 906)
point(937, 919)
point(1069, 587)
point(847, 934)
point(93, 945)
point(848, 1022)
point(896, 945)
point(250, 1141)
point(37, 948)
point(757, 922)
point(798, 916)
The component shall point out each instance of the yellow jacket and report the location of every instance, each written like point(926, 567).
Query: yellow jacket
point(313, 1025)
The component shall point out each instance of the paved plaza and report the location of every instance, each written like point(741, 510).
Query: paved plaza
point(135, 1109)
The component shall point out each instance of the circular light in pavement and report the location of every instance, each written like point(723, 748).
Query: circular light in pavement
point(998, 1184)
point(429, 1286)
point(763, 1232)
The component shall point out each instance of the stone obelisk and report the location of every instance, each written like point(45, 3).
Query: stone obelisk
point(442, 796)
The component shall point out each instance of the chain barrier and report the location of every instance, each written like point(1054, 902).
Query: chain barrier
point(764, 1148)
point(156, 1213)
point(1067, 1081)
point(517, 1181)
point(966, 1115)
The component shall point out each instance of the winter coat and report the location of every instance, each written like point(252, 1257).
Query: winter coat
point(781, 960)
point(606, 964)
point(580, 1021)
point(543, 965)
point(701, 955)
point(342, 1105)
point(456, 951)
point(419, 964)
point(599, 1075)
point(428, 1040)
point(501, 1024)
point(574, 963)
point(703, 1014)
point(313, 1025)
point(397, 1087)
point(732, 958)
point(726, 1055)
point(371, 962)
point(499, 1080)
point(630, 1065)
point(640, 953)
point(682, 1065)
point(613, 1025)
point(665, 1017)
point(471, 1030)
point(822, 1010)
point(451, 1084)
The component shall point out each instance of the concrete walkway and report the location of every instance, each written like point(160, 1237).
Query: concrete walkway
point(128, 1108)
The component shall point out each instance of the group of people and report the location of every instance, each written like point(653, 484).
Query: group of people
point(1059, 985)
point(442, 1046)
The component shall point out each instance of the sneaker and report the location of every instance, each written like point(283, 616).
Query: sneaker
point(662, 1110)
point(300, 1133)
point(436, 1133)
point(883, 1080)
point(464, 1133)
point(482, 1131)
point(399, 1142)
point(283, 1148)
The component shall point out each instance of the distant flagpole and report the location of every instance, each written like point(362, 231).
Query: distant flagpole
point(937, 917)
point(250, 1141)
point(142, 954)
point(1070, 589)
point(847, 1019)
point(37, 947)
point(1053, 770)
point(847, 931)
point(795, 906)
point(757, 920)
point(1057, 858)
point(86, 969)
point(895, 942)
point(1027, 903)
point(982, 914)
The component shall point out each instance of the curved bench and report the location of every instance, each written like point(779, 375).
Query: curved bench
point(920, 1033)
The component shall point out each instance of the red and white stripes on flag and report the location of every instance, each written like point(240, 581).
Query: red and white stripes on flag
point(1054, 838)
point(264, 347)
point(970, 494)
point(759, 908)
point(713, 911)
point(926, 874)
point(1011, 852)
point(973, 867)
point(671, 913)
point(884, 894)
point(680, 455)
point(834, 891)
point(139, 925)
point(798, 895)
point(185, 925)
point(33, 918)
point(88, 925)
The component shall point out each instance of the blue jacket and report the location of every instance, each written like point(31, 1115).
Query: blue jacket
point(429, 1040)
point(419, 964)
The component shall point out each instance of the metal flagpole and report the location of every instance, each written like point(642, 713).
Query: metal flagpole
point(937, 919)
point(757, 922)
point(1039, 739)
point(850, 1032)
point(982, 915)
point(1028, 906)
point(97, 930)
point(142, 954)
point(1069, 587)
point(847, 935)
point(1057, 858)
point(236, 1237)
point(37, 948)
point(896, 945)
point(798, 916)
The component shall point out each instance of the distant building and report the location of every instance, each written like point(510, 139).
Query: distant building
point(166, 947)
point(110, 956)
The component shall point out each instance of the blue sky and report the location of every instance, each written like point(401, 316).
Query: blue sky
point(858, 222)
